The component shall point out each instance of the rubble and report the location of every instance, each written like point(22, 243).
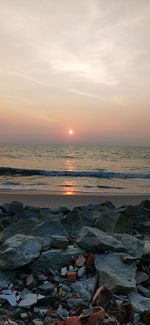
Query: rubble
point(88, 266)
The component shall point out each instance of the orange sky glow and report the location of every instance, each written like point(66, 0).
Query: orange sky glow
point(82, 66)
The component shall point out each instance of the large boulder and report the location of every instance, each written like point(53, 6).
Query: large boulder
point(143, 227)
point(76, 219)
point(113, 221)
point(48, 228)
point(139, 213)
point(114, 274)
point(21, 227)
point(56, 258)
point(96, 241)
point(19, 250)
point(133, 245)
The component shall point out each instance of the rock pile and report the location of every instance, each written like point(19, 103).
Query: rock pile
point(88, 266)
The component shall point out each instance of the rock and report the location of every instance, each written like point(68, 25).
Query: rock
point(144, 291)
point(15, 208)
point(47, 229)
point(138, 213)
point(19, 250)
point(20, 227)
point(57, 241)
point(113, 221)
point(30, 299)
point(30, 281)
point(56, 258)
point(31, 212)
point(143, 227)
point(133, 246)
point(114, 274)
point(46, 287)
point(11, 298)
point(141, 277)
point(80, 261)
point(37, 322)
point(81, 272)
point(97, 241)
point(4, 284)
point(145, 204)
point(76, 219)
point(140, 303)
point(61, 312)
point(84, 289)
point(63, 271)
point(146, 252)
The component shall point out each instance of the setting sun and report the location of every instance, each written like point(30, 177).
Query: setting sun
point(70, 132)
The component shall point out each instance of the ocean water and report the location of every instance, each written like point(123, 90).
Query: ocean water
point(75, 168)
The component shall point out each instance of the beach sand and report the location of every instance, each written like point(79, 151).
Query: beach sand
point(55, 200)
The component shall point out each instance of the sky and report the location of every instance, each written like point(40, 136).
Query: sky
point(82, 65)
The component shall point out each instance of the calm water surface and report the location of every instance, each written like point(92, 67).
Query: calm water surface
point(75, 168)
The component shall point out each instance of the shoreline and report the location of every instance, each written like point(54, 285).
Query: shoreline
point(57, 199)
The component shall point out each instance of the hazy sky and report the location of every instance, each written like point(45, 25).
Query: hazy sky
point(82, 64)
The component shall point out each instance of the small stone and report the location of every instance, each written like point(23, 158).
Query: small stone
point(37, 322)
point(61, 312)
point(30, 299)
point(81, 272)
point(64, 271)
point(46, 287)
point(11, 298)
point(71, 276)
point(80, 261)
point(30, 281)
point(24, 315)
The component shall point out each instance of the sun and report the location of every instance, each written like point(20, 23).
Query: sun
point(70, 132)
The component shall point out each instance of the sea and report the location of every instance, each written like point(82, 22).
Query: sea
point(72, 169)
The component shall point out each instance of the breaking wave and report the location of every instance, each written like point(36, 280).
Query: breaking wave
point(7, 171)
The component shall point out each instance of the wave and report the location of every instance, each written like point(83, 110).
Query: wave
point(19, 172)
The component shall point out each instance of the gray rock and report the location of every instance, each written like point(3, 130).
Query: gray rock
point(21, 227)
point(30, 299)
point(140, 303)
point(4, 284)
point(143, 227)
point(138, 213)
point(144, 291)
point(48, 228)
point(11, 298)
point(46, 287)
point(146, 252)
point(55, 258)
point(96, 241)
point(113, 221)
point(18, 251)
point(61, 312)
point(133, 246)
point(114, 274)
point(57, 241)
point(141, 277)
point(85, 288)
point(31, 212)
point(76, 219)
point(15, 208)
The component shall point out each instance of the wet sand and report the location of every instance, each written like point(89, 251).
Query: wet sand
point(55, 200)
